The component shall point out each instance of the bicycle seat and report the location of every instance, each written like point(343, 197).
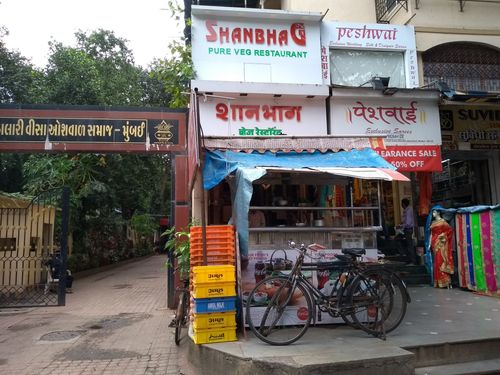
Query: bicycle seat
point(354, 252)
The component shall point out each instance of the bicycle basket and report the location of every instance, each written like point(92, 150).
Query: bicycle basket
point(278, 264)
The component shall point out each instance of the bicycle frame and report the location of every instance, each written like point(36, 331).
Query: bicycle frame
point(347, 272)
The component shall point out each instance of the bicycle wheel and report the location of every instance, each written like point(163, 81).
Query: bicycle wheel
point(340, 293)
point(180, 316)
point(278, 313)
point(379, 302)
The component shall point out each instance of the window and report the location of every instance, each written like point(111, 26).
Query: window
point(356, 68)
point(390, 4)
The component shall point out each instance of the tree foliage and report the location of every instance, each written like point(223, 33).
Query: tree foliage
point(19, 81)
point(108, 190)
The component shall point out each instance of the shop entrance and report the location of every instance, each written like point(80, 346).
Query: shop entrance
point(462, 183)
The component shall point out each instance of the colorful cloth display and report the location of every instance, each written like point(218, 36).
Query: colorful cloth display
point(478, 251)
point(477, 239)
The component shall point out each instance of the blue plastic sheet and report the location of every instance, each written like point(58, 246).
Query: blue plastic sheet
point(219, 164)
point(250, 166)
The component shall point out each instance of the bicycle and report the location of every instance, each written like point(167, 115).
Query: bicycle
point(181, 318)
point(371, 298)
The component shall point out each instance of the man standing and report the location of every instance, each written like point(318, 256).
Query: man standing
point(408, 224)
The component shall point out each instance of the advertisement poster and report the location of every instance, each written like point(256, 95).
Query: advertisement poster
point(257, 269)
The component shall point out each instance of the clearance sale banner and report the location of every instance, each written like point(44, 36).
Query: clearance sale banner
point(413, 158)
point(409, 124)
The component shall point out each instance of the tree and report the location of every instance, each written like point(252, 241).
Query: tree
point(20, 81)
point(175, 74)
point(108, 191)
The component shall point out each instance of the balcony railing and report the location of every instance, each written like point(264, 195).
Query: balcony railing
point(385, 9)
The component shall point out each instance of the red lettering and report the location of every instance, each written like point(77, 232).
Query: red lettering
point(236, 35)
point(283, 38)
point(224, 33)
point(259, 36)
point(298, 34)
point(212, 35)
point(271, 36)
point(247, 35)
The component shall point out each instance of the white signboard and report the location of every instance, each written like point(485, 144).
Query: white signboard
point(403, 121)
point(378, 37)
point(255, 117)
point(272, 47)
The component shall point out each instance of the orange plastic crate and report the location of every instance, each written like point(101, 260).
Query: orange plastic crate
point(213, 228)
point(212, 261)
point(212, 242)
point(212, 234)
point(220, 250)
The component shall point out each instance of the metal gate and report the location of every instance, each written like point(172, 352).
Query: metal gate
point(31, 232)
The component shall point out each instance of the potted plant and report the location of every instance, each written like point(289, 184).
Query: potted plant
point(179, 244)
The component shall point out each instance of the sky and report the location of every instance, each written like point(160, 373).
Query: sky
point(146, 24)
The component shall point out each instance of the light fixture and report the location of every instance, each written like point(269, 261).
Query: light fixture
point(380, 83)
point(443, 86)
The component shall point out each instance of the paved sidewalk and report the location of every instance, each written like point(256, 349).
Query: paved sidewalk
point(115, 322)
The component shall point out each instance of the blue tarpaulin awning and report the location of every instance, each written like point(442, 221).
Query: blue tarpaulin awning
point(248, 167)
point(354, 163)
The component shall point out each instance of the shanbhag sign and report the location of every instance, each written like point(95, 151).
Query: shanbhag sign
point(76, 128)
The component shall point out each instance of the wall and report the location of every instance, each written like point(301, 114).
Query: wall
point(436, 22)
point(338, 10)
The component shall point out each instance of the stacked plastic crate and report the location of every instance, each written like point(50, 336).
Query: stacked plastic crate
point(213, 285)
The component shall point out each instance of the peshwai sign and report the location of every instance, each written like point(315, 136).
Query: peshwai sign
point(89, 128)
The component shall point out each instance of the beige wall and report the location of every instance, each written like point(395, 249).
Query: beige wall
point(338, 10)
point(436, 21)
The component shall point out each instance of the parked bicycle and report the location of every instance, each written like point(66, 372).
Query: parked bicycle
point(181, 318)
point(367, 296)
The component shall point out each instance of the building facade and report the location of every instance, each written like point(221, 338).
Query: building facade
point(456, 51)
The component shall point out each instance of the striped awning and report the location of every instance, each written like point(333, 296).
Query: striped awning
point(297, 144)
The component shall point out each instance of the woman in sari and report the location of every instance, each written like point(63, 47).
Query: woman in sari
point(441, 244)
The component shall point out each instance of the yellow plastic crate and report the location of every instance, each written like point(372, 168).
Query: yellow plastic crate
point(214, 321)
point(208, 336)
point(214, 274)
point(213, 290)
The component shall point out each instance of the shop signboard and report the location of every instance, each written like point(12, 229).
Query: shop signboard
point(254, 117)
point(467, 127)
point(323, 279)
point(373, 37)
point(247, 45)
point(93, 129)
point(410, 126)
